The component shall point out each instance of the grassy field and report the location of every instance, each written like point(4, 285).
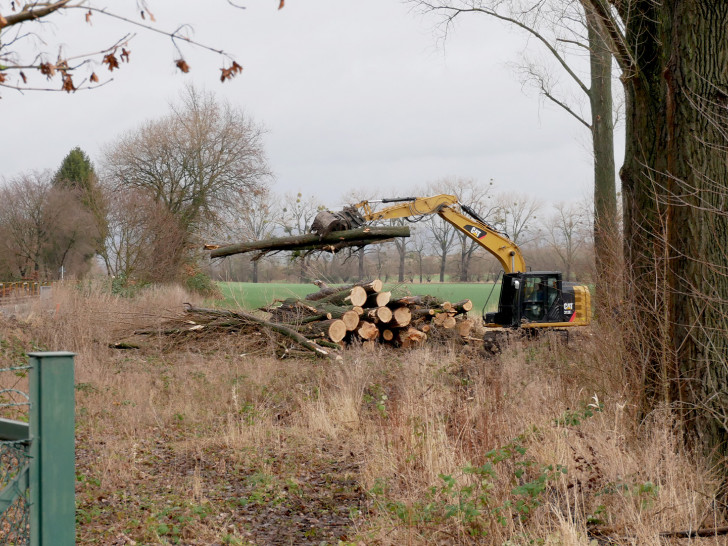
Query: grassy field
point(251, 295)
point(209, 436)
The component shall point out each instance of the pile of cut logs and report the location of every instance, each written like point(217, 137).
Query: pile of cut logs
point(364, 312)
point(326, 320)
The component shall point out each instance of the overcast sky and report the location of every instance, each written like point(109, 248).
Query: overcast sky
point(353, 95)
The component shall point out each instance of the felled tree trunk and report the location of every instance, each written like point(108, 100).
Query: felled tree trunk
point(332, 242)
point(370, 287)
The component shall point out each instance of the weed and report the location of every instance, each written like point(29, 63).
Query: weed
point(468, 499)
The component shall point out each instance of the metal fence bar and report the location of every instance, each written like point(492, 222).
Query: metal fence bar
point(52, 469)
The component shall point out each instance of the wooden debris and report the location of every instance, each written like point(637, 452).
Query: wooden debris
point(276, 327)
point(372, 314)
point(321, 322)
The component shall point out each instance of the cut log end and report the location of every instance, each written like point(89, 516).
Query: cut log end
point(449, 322)
point(367, 330)
point(337, 330)
point(380, 314)
point(351, 320)
point(357, 297)
point(411, 337)
point(387, 334)
point(402, 316)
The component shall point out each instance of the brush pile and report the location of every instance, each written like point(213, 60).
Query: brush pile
point(332, 317)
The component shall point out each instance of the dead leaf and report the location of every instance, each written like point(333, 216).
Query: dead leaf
point(67, 83)
point(111, 61)
point(3, 21)
point(283, 3)
point(2, 77)
point(229, 73)
point(182, 65)
point(124, 54)
point(94, 78)
point(22, 76)
point(47, 69)
point(88, 16)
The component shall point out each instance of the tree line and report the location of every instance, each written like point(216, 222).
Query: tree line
point(142, 217)
point(553, 236)
point(200, 175)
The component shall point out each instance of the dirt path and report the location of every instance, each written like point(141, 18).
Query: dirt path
point(195, 497)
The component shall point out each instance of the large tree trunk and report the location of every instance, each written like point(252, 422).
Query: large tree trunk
point(675, 200)
point(443, 263)
point(400, 271)
point(464, 259)
point(605, 198)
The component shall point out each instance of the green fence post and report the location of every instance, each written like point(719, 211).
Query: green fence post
point(52, 466)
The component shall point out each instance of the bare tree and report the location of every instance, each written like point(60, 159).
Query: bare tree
point(567, 33)
point(295, 218)
point(419, 247)
point(43, 228)
point(477, 196)
point(31, 54)
point(252, 218)
point(196, 162)
point(144, 239)
point(443, 239)
point(401, 244)
point(566, 233)
point(516, 216)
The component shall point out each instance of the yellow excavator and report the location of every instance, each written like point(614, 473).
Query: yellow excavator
point(530, 301)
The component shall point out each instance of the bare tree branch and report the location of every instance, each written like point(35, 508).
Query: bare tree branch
point(454, 12)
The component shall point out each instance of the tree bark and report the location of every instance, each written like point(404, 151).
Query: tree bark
point(674, 184)
point(602, 129)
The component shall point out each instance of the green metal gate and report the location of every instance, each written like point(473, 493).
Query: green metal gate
point(37, 455)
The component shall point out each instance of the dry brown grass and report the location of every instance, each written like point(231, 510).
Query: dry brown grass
point(204, 443)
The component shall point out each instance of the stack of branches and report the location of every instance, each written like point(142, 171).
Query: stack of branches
point(363, 312)
point(203, 324)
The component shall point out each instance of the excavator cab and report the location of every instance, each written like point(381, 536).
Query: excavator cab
point(533, 299)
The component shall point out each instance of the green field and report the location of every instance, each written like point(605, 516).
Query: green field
point(248, 295)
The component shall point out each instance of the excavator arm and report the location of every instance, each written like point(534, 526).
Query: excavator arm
point(448, 208)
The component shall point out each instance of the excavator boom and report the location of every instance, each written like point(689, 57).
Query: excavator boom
point(447, 208)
